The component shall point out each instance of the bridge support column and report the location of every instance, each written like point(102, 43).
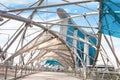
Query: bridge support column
point(63, 29)
point(86, 56)
point(86, 49)
point(75, 51)
point(6, 70)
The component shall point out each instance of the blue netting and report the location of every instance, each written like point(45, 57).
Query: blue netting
point(110, 17)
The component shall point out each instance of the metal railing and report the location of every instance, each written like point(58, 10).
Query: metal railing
point(8, 72)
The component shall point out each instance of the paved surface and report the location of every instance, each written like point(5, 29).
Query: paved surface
point(49, 76)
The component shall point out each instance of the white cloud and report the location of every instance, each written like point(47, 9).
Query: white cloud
point(13, 3)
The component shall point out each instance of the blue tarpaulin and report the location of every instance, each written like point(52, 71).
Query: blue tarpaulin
point(92, 51)
point(70, 31)
point(53, 63)
point(80, 44)
point(110, 17)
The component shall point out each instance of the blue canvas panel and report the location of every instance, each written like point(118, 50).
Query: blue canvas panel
point(70, 31)
point(80, 50)
point(80, 34)
point(53, 63)
point(110, 17)
point(80, 46)
point(92, 51)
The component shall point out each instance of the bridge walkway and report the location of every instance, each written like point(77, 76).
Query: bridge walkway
point(50, 76)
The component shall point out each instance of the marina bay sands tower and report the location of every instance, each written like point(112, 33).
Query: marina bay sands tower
point(81, 42)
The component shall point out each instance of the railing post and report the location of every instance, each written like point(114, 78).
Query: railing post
point(21, 71)
point(25, 70)
point(6, 69)
point(15, 72)
point(30, 70)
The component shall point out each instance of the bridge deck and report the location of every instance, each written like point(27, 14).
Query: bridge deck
point(49, 76)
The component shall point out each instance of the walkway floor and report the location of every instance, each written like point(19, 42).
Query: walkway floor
point(49, 76)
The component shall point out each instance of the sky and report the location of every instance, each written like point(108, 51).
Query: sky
point(42, 16)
